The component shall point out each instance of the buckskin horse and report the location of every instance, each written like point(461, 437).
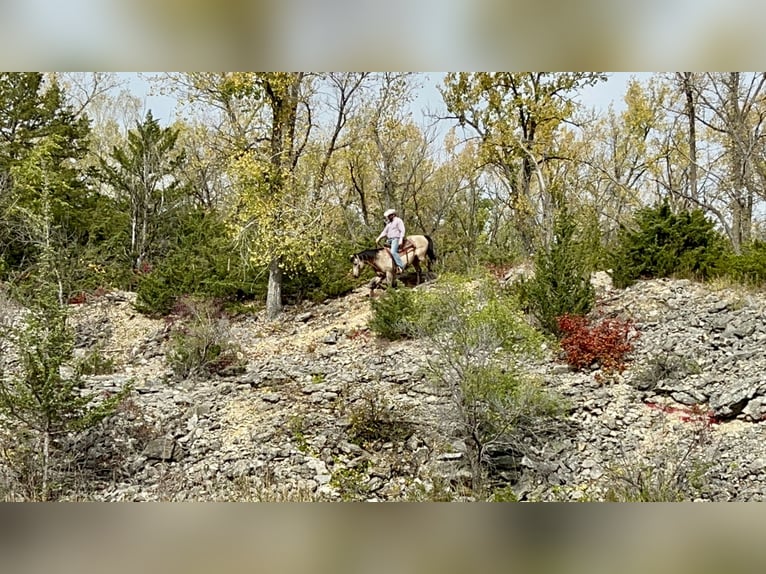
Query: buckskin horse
point(414, 250)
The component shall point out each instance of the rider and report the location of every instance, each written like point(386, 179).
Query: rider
point(394, 232)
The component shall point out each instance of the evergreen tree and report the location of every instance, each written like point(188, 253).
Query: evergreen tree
point(144, 176)
point(561, 284)
point(664, 244)
point(31, 111)
point(38, 403)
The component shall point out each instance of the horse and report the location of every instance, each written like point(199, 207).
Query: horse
point(413, 250)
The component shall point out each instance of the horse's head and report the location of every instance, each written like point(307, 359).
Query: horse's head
point(357, 262)
point(366, 257)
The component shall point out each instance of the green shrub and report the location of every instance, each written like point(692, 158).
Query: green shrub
point(201, 263)
point(96, 363)
point(478, 339)
point(473, 315)
point(749, 267)
point(374, 418)
point(513, 402)
point(297, 426)
point(330, 278)
point(666, 244)
point(503, 494)
point(353, 484)
point(393, 314)
point(561, 283)
point(40, 406)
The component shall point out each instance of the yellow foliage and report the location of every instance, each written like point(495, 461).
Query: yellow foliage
point(284, 223)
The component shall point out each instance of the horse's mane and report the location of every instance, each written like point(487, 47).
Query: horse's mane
point(368, 254)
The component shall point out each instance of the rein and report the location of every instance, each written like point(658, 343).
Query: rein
point(372, 263)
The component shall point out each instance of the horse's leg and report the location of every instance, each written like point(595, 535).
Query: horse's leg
point(427, 259)
point(375, 283)
point(423, 257)
point(391, 277)
point(416, 265)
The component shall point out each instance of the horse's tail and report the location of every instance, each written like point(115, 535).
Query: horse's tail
point(430, 251)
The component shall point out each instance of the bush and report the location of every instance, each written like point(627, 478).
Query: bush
point(749, 267)
point(666, 244)
point(201, 264)
point(200, 344)
point(40, 407)
point(677, 470)
point(353, 484)
point(561, 283)
point(96, 363)
point(393, 314)
point(478, 340)
point(374, 418)
point(204, 263)
point(330, 278)
point(606, 343)
point(477, 318)
point(513, 401)
point(662, 367)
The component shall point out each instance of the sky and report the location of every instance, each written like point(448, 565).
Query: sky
point(612, 91)
point(599, 96)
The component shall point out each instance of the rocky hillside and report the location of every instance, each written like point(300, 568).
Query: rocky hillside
point(315, 383)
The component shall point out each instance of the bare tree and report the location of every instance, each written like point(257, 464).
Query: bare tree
point(731, 108)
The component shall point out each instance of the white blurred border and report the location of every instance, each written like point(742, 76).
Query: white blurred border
point(417, 35)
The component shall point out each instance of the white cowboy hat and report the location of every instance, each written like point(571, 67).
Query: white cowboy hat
point(389, 212)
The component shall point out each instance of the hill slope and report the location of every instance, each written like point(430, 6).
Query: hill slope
point(325, 411)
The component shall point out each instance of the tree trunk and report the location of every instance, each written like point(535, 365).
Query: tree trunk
point(691, 115)
point(741, 215)
point(359, 188)
point(525, 219)
point(284, 106)
point(740, 165)
point(274, 292)
point(46, 465)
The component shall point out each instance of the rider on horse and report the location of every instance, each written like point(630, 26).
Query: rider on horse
point(394, 234)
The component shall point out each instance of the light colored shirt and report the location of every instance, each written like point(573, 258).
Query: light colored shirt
point(394, 229)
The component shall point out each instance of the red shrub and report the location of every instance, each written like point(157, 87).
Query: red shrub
point(606, 343)
point(78, 298)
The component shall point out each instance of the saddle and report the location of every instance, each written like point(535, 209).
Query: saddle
point(404, 247)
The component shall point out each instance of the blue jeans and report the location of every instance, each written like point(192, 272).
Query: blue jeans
point(395, 252)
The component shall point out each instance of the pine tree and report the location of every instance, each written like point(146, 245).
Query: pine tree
point(144, 175)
